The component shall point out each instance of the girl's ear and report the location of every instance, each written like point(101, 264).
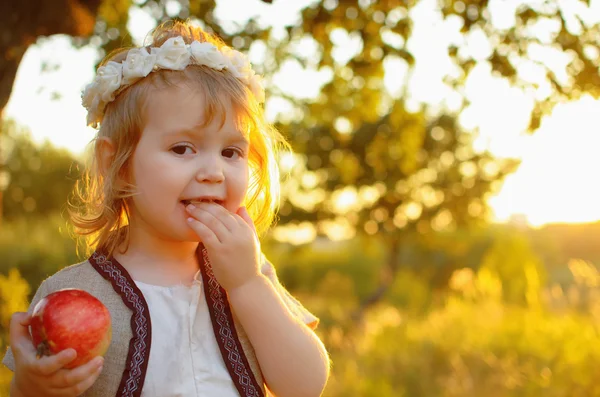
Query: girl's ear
point(105, 153)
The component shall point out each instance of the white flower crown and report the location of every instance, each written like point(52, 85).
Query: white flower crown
point(174, 54)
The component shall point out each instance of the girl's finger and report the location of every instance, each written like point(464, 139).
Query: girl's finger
point(70, 377)
point(48, 365)
point(207, 236)
point(25, 319)
point(19, 337)
point(221, 213)
point(208, 218)
point(243, 213)
point(85, 384)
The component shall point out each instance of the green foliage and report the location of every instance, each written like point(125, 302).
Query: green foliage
point(41, 177)
point(31, 249)
point(358, 260)
point(14, 292)
point(469, 348)
point(499, 328)
point(521, 273)
point(38, 247)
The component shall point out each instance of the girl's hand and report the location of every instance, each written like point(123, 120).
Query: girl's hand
point(45, 376)
point(230, 240)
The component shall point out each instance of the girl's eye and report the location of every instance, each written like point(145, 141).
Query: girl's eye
point(182, 149)
point(232, 152)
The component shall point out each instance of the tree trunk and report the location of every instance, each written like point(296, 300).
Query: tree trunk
point(23, 21)
point(390, 272)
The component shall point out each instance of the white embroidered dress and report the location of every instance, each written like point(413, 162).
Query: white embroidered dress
point(184, 356)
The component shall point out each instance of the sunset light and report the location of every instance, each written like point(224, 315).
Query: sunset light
point(433, 231)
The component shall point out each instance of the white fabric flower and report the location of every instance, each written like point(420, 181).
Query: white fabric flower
point(108, 80)
point(173, 54)
point(88, 94)
point(238, 63)
point(207, 54)
point(255, 85)
point(102, 90)
point(139, 63)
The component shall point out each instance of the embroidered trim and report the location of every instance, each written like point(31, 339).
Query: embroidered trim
point(134, 374)
point(229, 344)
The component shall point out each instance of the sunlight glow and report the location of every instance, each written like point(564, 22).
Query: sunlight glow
point(555, 183)
point(557, 180)
point(345, 200)
point(297, 234)
point(338, 229)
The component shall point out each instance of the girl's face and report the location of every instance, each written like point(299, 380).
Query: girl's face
point(178, 161)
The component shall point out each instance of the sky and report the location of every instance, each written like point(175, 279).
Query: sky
point(555, 182)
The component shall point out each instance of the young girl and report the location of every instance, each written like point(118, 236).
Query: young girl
point(184, 161)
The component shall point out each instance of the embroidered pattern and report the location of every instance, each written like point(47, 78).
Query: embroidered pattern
point(137, 358)
point(231, 349)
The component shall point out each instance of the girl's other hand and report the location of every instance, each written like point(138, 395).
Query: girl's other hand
point(230, 240)
point(46, 376)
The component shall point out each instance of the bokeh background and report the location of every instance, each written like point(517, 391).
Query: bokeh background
point(440, 210)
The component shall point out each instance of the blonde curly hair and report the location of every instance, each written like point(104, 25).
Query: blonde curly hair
point(99, 208)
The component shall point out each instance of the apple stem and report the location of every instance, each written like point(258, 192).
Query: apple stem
point(43, 349)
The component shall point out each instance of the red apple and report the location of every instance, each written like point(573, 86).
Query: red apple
point(71, 318)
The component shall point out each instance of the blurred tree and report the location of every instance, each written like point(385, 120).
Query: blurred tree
point(556, 39)
point(24, 21)
point(21, 23)
point(41, 176)
point(404, 173)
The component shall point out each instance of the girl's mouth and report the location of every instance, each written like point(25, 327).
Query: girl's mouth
point(196, 201)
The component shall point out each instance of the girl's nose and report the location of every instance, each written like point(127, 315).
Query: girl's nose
point(210, 170)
